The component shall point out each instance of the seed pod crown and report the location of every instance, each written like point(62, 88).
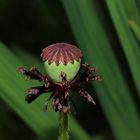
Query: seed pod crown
point(61, 53)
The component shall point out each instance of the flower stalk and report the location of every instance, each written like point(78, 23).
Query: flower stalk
point(63, 126)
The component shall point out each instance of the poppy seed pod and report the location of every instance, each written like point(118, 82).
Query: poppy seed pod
point(61, 57)
point(64, 73)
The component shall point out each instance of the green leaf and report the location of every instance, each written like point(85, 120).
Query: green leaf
point(128, 41)
point(113, 92)
point(135, 28)
point(131, 8)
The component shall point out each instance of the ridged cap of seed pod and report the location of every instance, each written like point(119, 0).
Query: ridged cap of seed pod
point(61, 53)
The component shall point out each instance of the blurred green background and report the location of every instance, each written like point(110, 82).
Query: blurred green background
point(108, 33)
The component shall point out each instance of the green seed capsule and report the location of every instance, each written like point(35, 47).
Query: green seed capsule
point(61, 57)
point(54, 71)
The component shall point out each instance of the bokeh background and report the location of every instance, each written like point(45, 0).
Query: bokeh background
point(108, 33)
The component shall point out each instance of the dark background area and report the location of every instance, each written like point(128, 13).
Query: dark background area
point(33, 24)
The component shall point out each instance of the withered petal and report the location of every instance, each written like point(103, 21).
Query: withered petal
point(34, 92)
point(87, 96)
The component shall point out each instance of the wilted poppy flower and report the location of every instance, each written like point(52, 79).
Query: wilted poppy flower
point(64, 72)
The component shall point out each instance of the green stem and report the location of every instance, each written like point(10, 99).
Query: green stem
point(63, 126)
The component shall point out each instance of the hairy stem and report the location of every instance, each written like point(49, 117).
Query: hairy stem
point(63, 126)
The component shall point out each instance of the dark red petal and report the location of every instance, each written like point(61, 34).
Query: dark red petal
point(34, 92)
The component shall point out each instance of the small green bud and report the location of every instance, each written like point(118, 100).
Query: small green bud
point(61, 57)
